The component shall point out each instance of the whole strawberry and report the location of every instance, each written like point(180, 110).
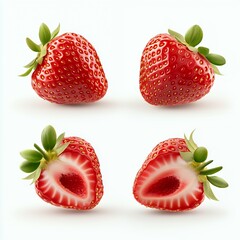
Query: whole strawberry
point(67, 69)
point(173, 71)
point(66, 173)
point(175, 176)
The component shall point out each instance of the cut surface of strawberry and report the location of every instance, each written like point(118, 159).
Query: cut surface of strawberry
point(169, 182)
point(71, 179)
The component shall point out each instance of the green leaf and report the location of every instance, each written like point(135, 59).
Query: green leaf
point(187, 156)
point(215, 69)
point(177, 35)
point(203, 50)
point(193, 49)
point(200, 154)
point(203, 165)
point(194, 35)
point(59, 140)
point(42, 54)
point(210, 171)
point(44, 34)
point(29, 167)
point(31, 64)
point(190, 147)
point(208, 191)
point(55, 32)
point(31, 155)
point(61, 148)
point(32, 45)
point(30, 176)
point(216, 59)
point(48, 138)
point(36, 174)
point(192, 141)
point(217, 181)
point(27, 72)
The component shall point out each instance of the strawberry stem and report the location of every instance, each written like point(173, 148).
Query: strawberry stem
point(45, 156)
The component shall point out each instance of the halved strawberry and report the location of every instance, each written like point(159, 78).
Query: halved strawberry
point(174, 176)
point(67, 173)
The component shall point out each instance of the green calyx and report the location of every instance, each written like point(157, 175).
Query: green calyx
point(191, 39)
point(45, 37)
point(200, 154)
point(36, 160)
point(196, 158)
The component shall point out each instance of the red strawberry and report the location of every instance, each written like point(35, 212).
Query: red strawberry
point(67, 69)
point(174, 72)
point(174, 176)
point(66, 173)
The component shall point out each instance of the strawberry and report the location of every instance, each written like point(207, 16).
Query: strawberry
point(173, 71)
point(175, 177)
point(66, 173)
point(67, 69)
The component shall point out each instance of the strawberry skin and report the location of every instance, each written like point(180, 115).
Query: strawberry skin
point(173, 72)
point(71, 72)
point(165, 181)
point(67, 69)
point(74, 180)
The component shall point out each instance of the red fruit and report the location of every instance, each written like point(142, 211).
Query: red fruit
point(68, 174)
point(67, 69)
point(171, 178)
point(174, 72)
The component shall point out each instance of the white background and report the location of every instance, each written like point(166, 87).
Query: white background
point(122, 127)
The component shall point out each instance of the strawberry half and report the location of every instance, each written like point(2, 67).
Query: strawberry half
point(174, 176)
point(173, 71)
point(67, 69)
point(66, 173)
